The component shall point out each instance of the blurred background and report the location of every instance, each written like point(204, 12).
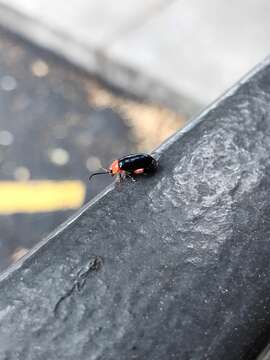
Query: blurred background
point(84, 82)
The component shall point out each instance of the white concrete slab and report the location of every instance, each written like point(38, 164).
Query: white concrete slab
point(93, 22)
point(82, 30)
point(195, 49)
point(199, 47)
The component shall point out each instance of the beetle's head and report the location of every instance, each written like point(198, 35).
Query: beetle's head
point(114, 168)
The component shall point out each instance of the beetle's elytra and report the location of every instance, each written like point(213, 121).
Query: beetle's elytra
point(131, 166)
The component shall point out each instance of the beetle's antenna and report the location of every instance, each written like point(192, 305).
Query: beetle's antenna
point(97, 173)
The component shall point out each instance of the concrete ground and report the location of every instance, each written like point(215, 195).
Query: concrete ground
point(194, 49)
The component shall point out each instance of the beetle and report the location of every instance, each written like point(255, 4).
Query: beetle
point(130, 166)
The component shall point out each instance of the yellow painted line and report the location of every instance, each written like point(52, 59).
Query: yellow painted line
point(40, 196)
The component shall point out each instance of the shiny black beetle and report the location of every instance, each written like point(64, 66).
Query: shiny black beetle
point(131, 166)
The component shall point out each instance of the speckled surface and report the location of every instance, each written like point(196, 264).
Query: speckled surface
point(175, 266)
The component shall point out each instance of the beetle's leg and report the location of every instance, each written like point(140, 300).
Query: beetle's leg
point(123, 175)
point(131, 176)
point(118, 182)
point(119, 178)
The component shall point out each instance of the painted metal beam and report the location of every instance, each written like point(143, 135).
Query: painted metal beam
point(175, 266)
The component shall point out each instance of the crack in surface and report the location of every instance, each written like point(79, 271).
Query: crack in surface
point(94, 265)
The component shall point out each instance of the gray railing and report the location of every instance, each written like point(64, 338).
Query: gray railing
point(175, 266)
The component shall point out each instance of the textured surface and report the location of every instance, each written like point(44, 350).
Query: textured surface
point(172, 267)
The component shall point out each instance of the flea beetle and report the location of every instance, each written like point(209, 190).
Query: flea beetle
point(130, 166)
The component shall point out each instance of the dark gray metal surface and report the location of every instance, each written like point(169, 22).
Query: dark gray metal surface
point(175, 266)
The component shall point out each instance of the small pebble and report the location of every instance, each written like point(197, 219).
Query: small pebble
point(40, 68)
point(6, 138)
point(93, 163)
point(58, 156)
point(22, 173)
point(8, 83)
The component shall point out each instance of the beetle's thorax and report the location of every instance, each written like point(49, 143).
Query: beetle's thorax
point(114, 168)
